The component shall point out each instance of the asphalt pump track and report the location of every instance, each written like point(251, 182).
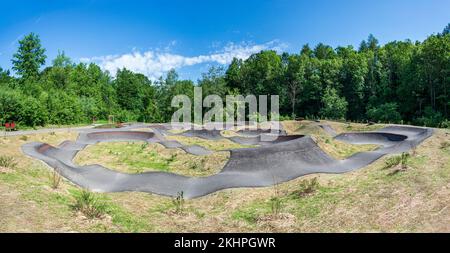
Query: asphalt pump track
point(272, 162)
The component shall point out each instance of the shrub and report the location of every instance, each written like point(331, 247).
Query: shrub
point(445, 124)
point(10, 105)
point(89, 204)
point(33, 112)
point(334, 106)
point(387, 112)
point(430, 118)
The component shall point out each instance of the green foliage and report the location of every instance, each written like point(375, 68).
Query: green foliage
point(33, 113)
point(10, 105)
point(29, 57)
point(62, 60)
point(384, 113)
point(335, 107)
point(430, 118)
point(400, 81)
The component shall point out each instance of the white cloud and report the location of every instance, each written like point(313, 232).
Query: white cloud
point(155, 63)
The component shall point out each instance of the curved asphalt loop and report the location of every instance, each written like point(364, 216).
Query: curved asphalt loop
point(275, 161)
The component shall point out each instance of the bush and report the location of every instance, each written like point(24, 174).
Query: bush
point(33, 112)
point(387, 112)
point(430, 118)
point(126, 116)
point(445, 124)
point(63, 108)
point(334, 106)
point(11, 106)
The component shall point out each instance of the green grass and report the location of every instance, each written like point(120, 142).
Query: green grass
point(138, 157)
point(135, 157)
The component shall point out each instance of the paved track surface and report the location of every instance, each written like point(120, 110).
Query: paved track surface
point(274, 161)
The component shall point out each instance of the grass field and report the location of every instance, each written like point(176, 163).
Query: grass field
point(376, 198)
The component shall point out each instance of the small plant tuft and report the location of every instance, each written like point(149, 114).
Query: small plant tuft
point(171, 158)
point(276, 203)
point(89, 204)
point(401, 160)
point(7, 162)
point(178, 202)
point(392, 162)
point(143, 147)
point(55, 179)
point(445, 144)
point(24, 138)
point(404, 160)
point(306, 187)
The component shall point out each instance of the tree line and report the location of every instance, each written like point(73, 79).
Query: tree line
point(399, 82)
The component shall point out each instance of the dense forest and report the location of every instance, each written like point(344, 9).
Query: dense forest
point(399, 82)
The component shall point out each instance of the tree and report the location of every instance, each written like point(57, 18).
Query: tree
point(5, 77)
point(322, 52)
point(334, 106)
point(352, 74)
point(233, 75)
point(446, 30)
point(62, 60)
point(307, 51)
point(129, 88)
point(29, 57)
point(295, 78)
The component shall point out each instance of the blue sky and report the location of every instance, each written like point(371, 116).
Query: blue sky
point(153, 36)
